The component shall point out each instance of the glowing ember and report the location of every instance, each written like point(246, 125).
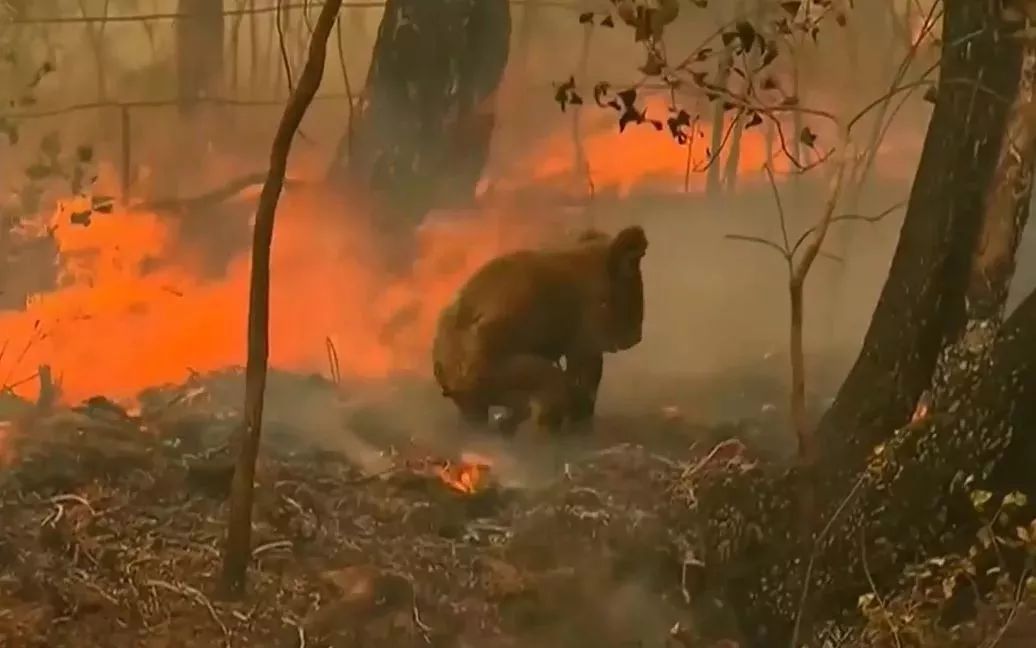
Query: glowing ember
point(138, 305)
point(920, 412)
point(466, 476)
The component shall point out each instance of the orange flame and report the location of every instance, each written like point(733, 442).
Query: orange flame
point(135, 308)
point(467, 476)
point(642, 156)
point(920, 412)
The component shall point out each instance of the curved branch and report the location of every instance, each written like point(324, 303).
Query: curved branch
point(760, 241)
point(849, 217)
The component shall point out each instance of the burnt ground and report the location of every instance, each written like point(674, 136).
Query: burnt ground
point(113, 520)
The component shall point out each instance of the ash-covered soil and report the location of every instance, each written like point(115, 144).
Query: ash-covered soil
point(113, 522)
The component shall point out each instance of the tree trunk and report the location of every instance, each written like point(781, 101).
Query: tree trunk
point(96, 37)
point(253, 50)
point(922, 303)
point(235, 48)
point(898, 493)
point(423, 126)
point(712, 177)
point(899, 507)
point(199, 50)
point(238, 547)
point(581, 171)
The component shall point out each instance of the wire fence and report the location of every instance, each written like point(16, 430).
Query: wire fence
point(158, 103)
point(126, 109)
point(251, 11)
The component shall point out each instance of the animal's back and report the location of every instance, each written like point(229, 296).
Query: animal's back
point(528, 301)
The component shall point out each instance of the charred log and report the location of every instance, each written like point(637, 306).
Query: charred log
point(423, 126)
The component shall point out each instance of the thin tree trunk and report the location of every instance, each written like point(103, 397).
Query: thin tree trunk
point(712, 178)
point(750, 61)
point(199, 50)
point(96, 36)
point(237, 550)
point(235, 47)
point(581, 164)
point(733, 155)
point(253, 50)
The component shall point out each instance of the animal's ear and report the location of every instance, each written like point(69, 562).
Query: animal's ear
point(626, 250)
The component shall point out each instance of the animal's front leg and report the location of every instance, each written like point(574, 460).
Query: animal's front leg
point(531, 385)
point(583, 373)
point(474, 412)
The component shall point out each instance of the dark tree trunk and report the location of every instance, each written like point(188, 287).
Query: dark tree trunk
point(199, 50)
point(922, 304)
point(899, 493)
point(423, 127)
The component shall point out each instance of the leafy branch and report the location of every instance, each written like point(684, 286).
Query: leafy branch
point(751, 49)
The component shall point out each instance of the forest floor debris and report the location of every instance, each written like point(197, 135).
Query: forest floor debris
point(113, 521)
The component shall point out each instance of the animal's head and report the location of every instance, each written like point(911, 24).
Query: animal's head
point(624, 305)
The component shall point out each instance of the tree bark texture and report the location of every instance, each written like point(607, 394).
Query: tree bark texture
point(238, 550)
point(423, 126)
point(921, 306)
point(883, 480)
point(907, 501)
point(199, 50)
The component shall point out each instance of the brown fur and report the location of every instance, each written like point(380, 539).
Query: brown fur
point(501, 339)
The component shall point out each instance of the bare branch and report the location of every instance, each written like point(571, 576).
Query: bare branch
point(780, 209)
point(284, 50)
point(923, 81)
point(714, 155)
point(760, 241)
point(813, 248)
point(350, 119)
point(849, 217)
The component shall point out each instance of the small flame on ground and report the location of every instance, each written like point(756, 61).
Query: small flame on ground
point(920, 412)
point(468, 475)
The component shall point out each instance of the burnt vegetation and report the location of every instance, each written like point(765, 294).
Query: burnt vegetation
point(937, 407)
point(905, 518)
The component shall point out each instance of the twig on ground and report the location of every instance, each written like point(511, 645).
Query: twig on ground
point(874, 590)
point(190, 592)
point(71, 497)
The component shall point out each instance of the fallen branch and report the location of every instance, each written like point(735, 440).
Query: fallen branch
point(218, 195)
